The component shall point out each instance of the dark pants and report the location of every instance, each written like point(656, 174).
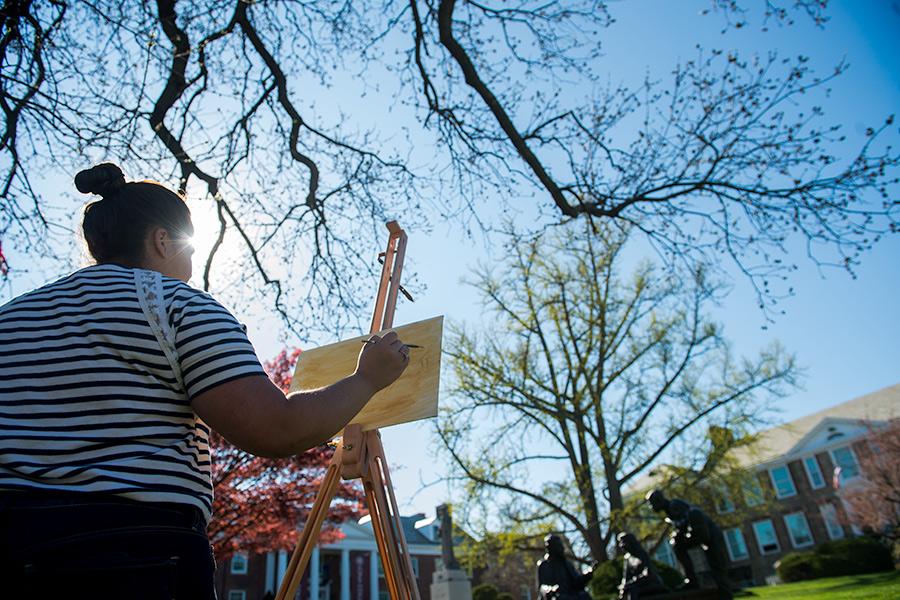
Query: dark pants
point(91, 546)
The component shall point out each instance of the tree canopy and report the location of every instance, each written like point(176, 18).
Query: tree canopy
point(260, 503)
point(265, 111)
point(584, 378)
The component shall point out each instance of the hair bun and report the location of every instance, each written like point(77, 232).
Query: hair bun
point(103, 179)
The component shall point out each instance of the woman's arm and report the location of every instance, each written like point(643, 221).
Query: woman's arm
point(254, 415)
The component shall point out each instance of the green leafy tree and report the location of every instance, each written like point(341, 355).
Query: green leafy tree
point(585, 378)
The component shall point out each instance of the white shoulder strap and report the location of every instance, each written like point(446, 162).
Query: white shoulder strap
point(150, 295)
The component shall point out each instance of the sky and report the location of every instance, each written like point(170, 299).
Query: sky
point(844, 331)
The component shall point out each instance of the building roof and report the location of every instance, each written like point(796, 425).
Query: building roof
point(416, 530)
point(777, 442)
point(773, 443)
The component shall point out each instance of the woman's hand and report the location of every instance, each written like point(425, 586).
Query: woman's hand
point(382, 360)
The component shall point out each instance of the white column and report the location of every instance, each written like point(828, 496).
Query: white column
point(271, 584)
point(373, 575)
point(282, 565)
point(345, 574)
point(314, 574)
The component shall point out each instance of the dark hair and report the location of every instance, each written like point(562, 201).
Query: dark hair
point(116, 225)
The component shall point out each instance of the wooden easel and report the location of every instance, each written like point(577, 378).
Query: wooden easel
point(360, 455)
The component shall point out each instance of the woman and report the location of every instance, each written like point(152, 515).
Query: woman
point(110, 379)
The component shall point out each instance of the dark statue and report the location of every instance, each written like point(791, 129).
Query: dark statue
point(640, 579)
point(557, 577)
point(446, 531)
point(694, 528)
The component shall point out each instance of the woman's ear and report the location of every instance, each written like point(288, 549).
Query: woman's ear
point(159, 243)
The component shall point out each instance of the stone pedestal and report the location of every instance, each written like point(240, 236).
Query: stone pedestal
point(452, 584)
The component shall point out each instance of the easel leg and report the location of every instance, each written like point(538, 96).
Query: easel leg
point(386, 520)
point(307, 541)
point(369, 465)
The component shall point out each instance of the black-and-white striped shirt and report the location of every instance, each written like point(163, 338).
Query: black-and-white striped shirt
point(89, 401)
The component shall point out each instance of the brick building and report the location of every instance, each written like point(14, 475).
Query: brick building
point(792, 504)
point(339, 571)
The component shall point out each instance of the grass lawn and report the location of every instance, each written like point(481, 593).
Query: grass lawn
point(878, 586)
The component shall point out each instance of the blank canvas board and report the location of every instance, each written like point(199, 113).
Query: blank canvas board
point(412, 397)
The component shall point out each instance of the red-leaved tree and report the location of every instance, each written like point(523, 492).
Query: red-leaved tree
point(261, 502)
point(874, 503)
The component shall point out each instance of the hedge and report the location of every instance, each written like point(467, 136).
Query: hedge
point(854, 556)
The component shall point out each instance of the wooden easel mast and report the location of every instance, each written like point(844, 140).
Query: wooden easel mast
point(360, 455)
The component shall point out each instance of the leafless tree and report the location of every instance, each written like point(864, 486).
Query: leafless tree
point(731, 157)
point(717, 161)
point(214, 90)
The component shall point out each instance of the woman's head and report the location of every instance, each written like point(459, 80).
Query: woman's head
point(137, 223)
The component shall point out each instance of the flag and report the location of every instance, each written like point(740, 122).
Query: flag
point(4, 266)
point(836, 478)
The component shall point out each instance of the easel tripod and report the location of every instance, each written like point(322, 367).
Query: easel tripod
point(360, 455)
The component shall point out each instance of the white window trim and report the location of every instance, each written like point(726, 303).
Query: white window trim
point(774, 532)
point(243, 571)
point(855, 459)
point(837, 521)
point(728, 546)
point(791, 533)
point(778, 494)
point(809, 477)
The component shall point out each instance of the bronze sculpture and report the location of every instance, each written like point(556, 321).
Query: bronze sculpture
point(640, 578)
point(557, 577)
point(694, 528)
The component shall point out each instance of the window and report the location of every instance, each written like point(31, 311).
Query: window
point(782, 482)
point(239, 564)
point(813, 472)
point(832, 522)
point(237, 595)
point(737, 548)
point(843, 457)
point(415, 566)
point(723, 501)
point(765, 537)
point(798, 530)
point(753, 493)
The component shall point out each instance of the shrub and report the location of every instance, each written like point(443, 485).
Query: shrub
point(798, 566)
point(671, 576)
point(505, 596)
point(854, 556)
point(608, 576)
point(485, 591)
